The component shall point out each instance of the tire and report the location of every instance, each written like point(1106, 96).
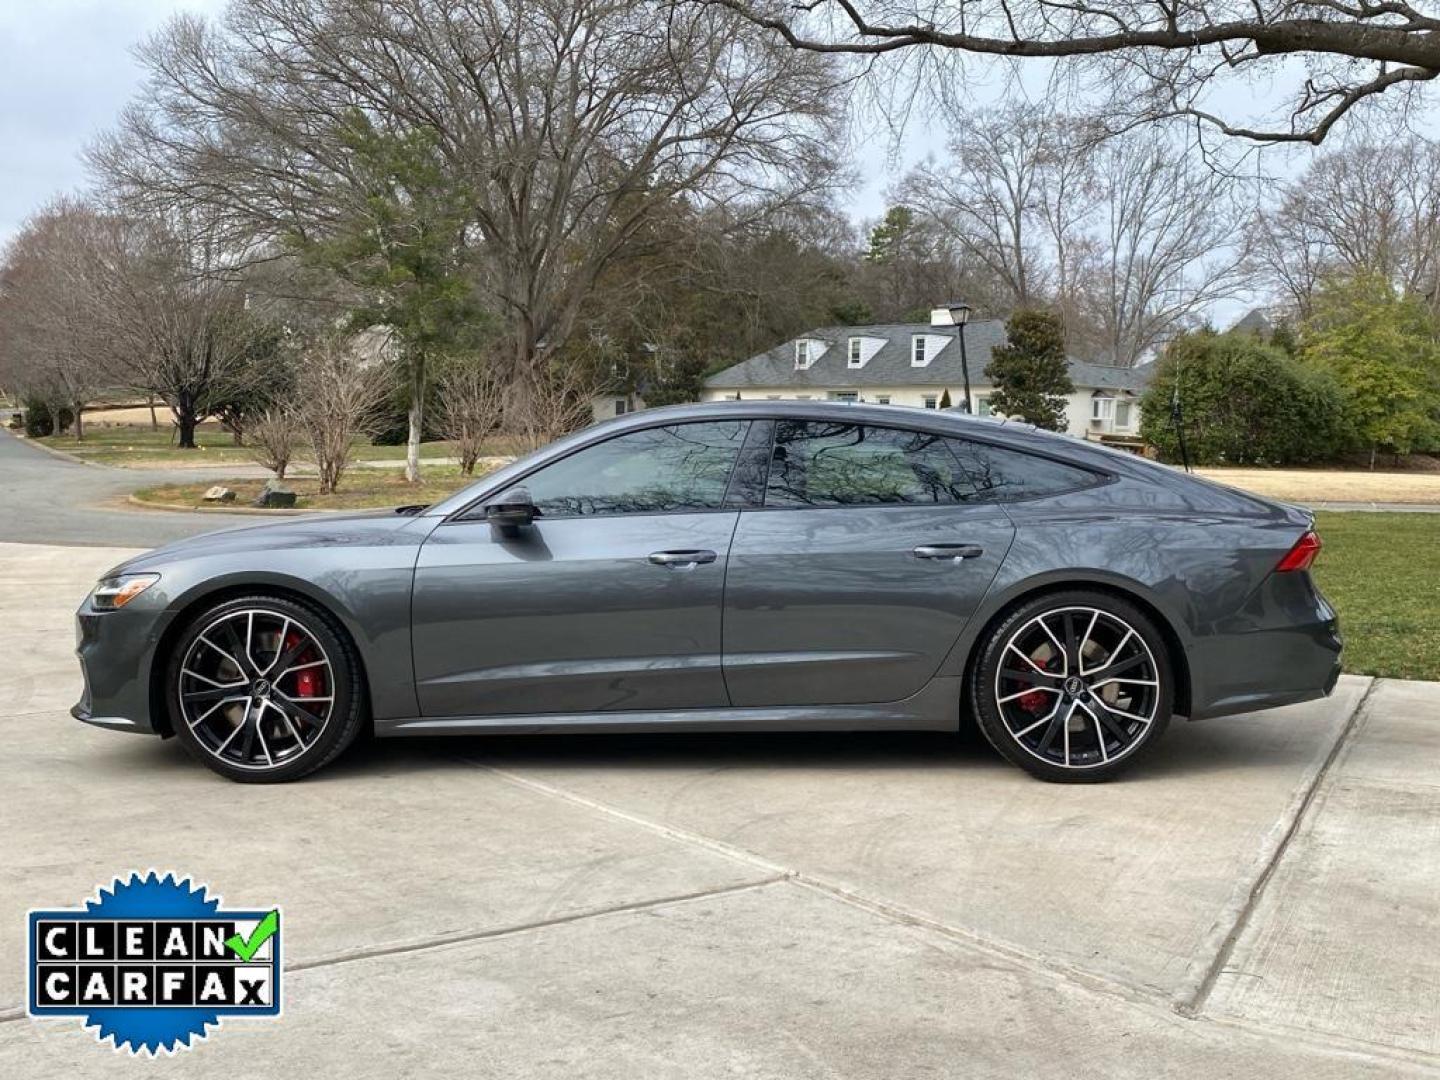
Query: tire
point(263, 689)
point(1074, 687)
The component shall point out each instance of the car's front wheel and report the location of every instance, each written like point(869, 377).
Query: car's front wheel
point(1074, 686)
point(263, 689)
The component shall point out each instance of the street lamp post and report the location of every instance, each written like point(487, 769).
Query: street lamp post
point(957, 314)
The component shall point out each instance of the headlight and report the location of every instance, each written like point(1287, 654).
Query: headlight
point(116, 592)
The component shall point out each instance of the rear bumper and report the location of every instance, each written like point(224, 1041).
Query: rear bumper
point(1266, 667)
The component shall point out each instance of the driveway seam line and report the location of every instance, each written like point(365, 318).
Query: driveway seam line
point(1192, 997)
point(1032, 962)
point(8, 1015)
point(463, 937)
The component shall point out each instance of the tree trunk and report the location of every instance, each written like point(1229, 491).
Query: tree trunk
point(417, 415)
point(154, 420)
point(79, 424)
point(186, 420)
point(1372, 458)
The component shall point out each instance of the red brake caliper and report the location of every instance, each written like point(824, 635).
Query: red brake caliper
point(311, 681)
point(1036, 701)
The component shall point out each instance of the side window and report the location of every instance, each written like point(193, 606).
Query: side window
point(676, 468)
point(1002, 475)
point(825, 463)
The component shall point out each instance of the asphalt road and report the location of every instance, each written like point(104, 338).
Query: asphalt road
point(47, 499)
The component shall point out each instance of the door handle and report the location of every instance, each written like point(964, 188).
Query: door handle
point(682, 560)
point(953, 552)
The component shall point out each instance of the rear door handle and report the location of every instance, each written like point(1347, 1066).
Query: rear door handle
point(682, 560)
point(953, 552)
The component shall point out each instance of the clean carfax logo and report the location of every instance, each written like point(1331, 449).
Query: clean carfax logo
point(151, 962)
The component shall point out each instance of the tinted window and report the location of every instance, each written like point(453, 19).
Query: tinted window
point(682, 467)
point(822, 463)
point(1002, 475)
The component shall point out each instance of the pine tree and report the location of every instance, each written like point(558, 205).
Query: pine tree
point(1029, 371)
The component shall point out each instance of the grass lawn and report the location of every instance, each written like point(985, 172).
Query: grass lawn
point(360, 489)
point(142, 447)
point(1382, 574)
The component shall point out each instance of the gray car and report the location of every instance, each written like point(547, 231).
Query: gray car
point(759, 566)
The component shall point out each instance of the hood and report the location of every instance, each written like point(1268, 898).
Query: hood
point(318, 530)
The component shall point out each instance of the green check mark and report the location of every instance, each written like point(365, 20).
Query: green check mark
point(245, 948)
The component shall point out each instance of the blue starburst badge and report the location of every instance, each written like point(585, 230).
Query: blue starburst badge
point(151, 963)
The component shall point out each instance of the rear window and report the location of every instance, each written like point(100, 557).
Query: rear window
point(1004, 475)
point(826, 463)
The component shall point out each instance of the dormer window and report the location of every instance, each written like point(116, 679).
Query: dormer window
point(917, 351)
point(856, 357)
point(802, 355)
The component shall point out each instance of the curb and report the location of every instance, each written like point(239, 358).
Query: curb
point(25, 440)
point(253, 511)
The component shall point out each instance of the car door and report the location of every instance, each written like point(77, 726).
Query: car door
point(869, 552)
point(611, 600)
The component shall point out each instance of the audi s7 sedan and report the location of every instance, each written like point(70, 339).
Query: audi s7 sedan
point(735, 566)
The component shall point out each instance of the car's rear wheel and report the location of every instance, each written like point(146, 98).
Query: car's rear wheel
point(1073, 687)
point(263, 689)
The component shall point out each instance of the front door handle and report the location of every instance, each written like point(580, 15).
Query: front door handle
point(682, 560)
point(953, 552)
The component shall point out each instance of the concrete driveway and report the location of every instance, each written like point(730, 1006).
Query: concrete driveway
point(1260, 900)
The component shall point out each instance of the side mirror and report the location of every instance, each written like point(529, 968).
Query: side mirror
point(510, 511)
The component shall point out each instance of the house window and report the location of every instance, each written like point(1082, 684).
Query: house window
point(982, 407)
point(1122, 414)
point(844, 395)
point(1102, 408)
point(917, 350)
point(855, 360)
point(931, 401)
point(621, 406)
point(882, 399)
point(802, 355)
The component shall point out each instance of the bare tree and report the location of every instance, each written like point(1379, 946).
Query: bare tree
point(337, 395)
point(1150, 61)
point(276, 437)
point(561, 126)
point(1169, 242)
point(987, 196)
point(542, 405)
point(1128, 237)
point(51, 352)
point(1363, 209)
point(471, 395)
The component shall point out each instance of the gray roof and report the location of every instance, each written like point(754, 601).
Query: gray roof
point(1256, 321)
point(891, 366)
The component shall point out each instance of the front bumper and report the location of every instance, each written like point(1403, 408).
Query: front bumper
point(116, 650)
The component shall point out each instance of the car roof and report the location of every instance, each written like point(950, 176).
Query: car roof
point(954, 422)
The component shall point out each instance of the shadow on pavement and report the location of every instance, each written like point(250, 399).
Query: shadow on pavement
point(1185, 750)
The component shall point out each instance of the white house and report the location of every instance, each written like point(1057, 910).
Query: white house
point(916, 364)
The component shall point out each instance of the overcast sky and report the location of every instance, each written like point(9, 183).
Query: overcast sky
point(65, 72)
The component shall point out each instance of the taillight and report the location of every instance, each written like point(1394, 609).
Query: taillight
point(1301, 555)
